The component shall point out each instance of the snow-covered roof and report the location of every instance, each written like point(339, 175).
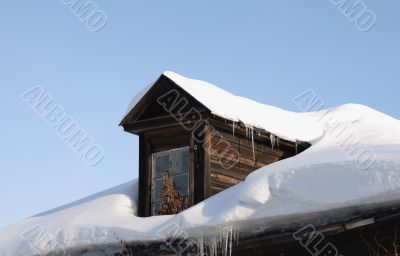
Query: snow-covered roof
point(354, 160)
point(239, 109)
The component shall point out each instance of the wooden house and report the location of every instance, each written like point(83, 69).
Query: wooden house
point(192, 148)
point(201, 152)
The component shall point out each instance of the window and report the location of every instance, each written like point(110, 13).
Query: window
point(174, 163)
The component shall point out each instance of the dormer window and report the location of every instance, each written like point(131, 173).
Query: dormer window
point(173, 163)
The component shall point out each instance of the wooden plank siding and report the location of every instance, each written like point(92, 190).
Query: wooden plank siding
point(220, 177)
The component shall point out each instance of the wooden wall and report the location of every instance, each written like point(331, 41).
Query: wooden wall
point(220, 177)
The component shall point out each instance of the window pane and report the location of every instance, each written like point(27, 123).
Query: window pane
point(157, 188)
point(155, 208)
point(180, 161)
point(161, 164)
point(181, 184)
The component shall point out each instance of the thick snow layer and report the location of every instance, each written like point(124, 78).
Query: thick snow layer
point(235, 108)
point(354, 160)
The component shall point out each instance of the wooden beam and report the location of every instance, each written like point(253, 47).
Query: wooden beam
point(143, 178)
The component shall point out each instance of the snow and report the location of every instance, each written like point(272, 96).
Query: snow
point(239, 109)
point(354, 160)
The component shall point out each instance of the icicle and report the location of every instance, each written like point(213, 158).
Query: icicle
point(277, 142)
point(272, 138)
point(226, 244)
point(230, 242)
point(252, 144)
point(231, 239)
point(296, 147)
point(201, 243)
point(233, 128)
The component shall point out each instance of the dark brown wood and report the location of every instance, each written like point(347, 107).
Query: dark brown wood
point(166, 139)
point(148, 125)
point(207, 159)
point(148, 184)
point(222, 178)
point(192, 169)
point(226, 126)
point(144, 176)
point(251, 155)
point(199, 160)
point(235, 172)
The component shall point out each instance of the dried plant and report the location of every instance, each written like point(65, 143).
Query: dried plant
point(173, 202)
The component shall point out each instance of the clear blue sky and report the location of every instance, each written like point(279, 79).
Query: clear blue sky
point(266, 50)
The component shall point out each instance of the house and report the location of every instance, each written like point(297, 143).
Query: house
point(202, 152)
point(328, 183)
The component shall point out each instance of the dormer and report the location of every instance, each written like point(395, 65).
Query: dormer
point(187, 151)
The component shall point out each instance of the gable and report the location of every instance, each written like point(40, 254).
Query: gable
point(165, 102)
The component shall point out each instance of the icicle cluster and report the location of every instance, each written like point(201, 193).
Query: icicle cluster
point(218, 244)
point(274, 141)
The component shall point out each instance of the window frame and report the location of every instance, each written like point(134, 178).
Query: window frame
point(184, 171)
point(161, 140)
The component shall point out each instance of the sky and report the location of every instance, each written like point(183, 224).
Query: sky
point(270, 51)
